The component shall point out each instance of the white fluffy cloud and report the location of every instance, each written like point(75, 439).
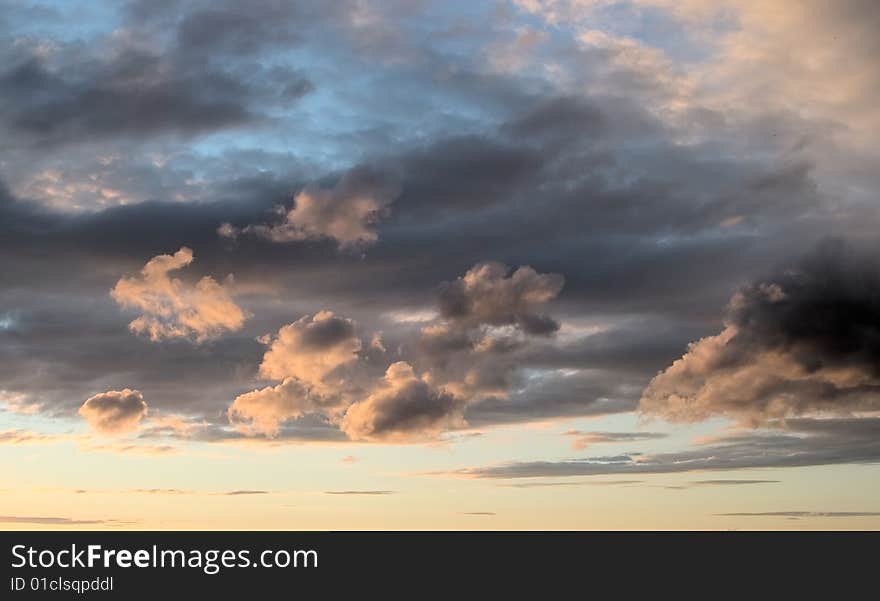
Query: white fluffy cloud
point(173, 308)
point(114, 411)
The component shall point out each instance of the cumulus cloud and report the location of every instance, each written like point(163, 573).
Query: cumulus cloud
point(347, 213)
point(311, 348)
point(320, 362)
point(263, 411)
point(402, 407)
point(306, 356)
point(488, 294)
point(806, 340)
point(485, 318)
point(114, 411)
point(173, 308)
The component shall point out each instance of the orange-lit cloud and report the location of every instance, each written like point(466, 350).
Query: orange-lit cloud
point(348, 213)
point(114, 411)
point(175, 309)
point(402, 407)
point(305, 356)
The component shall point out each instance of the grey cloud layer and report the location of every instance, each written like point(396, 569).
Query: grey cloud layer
point(653, 221)
point(803, 442)
point(122, 85)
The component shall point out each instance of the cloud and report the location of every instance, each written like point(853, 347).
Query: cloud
point(486, 318)
point(307, 356)
point(182, 75)
point(134, 449)
point(175, 309)
point(600, 186)
point(178, 491)
point(489, 294)
point(582, 440)
point(803, 514)
point(550, 394)
point(114, 411)
point(796, 442)
point(227, 28)
point(127, 92)
point(311, 349)
point(567, 483)
point(347, 213)
point(804, 341)
point(731, 482)
point(401, 407)
point(17, 437)
point(263, 411)
point(358, 492)
point(55, 521)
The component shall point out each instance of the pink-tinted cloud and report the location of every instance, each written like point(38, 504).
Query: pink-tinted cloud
point(172, 308)
point(114, 411)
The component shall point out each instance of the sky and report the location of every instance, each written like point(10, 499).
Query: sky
point(540, 264)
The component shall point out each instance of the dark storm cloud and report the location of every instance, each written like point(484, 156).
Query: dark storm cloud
point(825, 310)
point(806, 339)
point(807, 442)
